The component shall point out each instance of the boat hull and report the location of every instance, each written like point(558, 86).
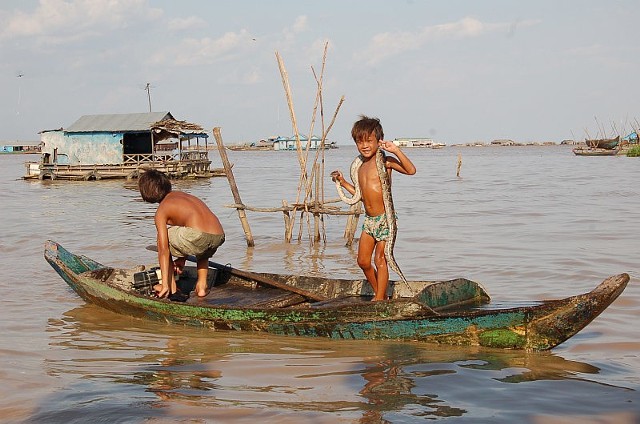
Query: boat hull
point(581, 151)
point(446, 312)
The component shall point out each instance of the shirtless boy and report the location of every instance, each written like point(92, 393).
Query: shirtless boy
point(368, 136)
point(185, 226)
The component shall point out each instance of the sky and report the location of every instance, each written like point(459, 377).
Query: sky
point(455, 71)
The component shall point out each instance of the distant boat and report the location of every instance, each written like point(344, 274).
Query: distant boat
point(603, 143)
point(21, 148)
point(583, 151)
point(261, 145)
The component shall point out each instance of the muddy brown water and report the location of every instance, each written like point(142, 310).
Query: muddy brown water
point(529, 223)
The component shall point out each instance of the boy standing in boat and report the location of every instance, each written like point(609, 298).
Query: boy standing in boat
point(185, 226)
point(368, 136)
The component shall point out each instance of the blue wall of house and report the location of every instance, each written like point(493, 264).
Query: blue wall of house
point(100, 148)
point(289, 143)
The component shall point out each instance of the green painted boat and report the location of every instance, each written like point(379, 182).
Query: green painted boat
point(603, 143)
point(454, 312)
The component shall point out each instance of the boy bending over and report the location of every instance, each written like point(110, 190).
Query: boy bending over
point(185, 226)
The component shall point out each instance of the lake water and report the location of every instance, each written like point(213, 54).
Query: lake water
point(529, 223)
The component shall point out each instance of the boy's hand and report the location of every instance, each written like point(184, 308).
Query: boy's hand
point(388, 146)
point(337, 176)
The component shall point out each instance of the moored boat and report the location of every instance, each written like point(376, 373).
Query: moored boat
point(455, 312)
point(603, 143)
point(590, 151)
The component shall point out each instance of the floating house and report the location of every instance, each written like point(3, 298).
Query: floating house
point(121, 146)
point(285, 143)
point(289, 143)
point(18, 147)
point(417, 142)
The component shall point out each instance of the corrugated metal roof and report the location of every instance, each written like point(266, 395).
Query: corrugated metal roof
point(118, 122)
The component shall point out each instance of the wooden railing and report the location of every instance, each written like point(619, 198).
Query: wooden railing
point(194, 155)
point(137, 159)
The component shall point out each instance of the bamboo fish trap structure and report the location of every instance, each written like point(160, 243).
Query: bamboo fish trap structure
point(310, 203)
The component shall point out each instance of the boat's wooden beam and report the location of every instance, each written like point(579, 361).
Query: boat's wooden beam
point(254, 276)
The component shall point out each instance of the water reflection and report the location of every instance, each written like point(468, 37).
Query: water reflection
point(187, 368)
point(390, 388)
point(177, 373)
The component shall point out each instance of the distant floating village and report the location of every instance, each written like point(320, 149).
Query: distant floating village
point(98, 147)
point(508, 142)
point(286, 143)
point(430, 143)
point(280, 143)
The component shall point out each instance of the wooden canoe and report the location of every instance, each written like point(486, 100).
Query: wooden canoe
point(603, 143)
point(583, 151)
point(455, 312)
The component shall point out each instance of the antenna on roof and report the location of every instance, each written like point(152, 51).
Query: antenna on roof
point(148, 88)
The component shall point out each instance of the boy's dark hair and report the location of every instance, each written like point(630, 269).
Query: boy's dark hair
point(365, 126)
point(154, 186)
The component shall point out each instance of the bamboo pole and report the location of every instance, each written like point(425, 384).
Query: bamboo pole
point(302, 215)
point(287, 218)
point(294, 122)
point(234, 188)
point(318, 102)
point(352, 223)
point(303, 170)
point(316, 216)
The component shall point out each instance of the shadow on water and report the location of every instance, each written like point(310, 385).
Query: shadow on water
point(116, 368)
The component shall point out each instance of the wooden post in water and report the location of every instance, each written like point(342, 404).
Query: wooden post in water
point(234, 188)
point(287, 221)
point(316, 203)
point(352, 223)
point(459, 165)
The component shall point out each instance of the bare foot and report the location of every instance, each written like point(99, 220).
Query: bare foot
point(160, 291)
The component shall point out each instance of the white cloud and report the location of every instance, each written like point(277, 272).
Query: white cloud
point(58, 21)
point(290, 34)
point(300, 24)
point(192, 51)
point(388, 44)
point(241, 77)
point(181, 24)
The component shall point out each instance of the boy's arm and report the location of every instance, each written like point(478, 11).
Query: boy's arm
point(402, 164)
point(337, 176)
point(164, 254)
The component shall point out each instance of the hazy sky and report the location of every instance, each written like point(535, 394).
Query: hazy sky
point(457, 71)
